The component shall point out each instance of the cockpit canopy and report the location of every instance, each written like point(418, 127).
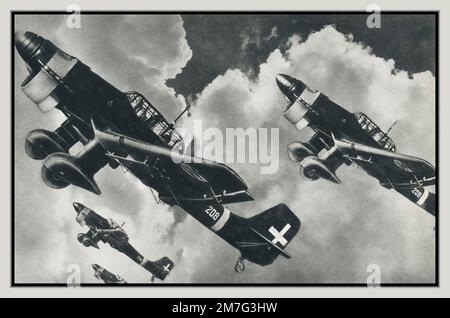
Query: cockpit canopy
point(154, 120)
point(375, 132)
point(114, 225)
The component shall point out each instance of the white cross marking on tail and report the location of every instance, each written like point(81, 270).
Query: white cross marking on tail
point(279, 236)
point(166, 268)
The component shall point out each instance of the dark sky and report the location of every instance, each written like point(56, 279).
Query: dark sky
point(217, 41)
point(230, 61)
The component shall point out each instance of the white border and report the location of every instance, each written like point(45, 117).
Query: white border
point(443, 6)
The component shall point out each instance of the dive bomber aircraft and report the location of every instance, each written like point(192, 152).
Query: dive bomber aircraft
point(108, 231)
point(106, 276)
point(342, 137)
point(124, 129)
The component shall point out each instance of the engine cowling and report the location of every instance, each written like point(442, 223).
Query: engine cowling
point(41, 86)
point(298, 150)
point(294, 112)
point(312, 168)
point(301, 102)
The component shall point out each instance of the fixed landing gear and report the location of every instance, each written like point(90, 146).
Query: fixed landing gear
point(240, 265)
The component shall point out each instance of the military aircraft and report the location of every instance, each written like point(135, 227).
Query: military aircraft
point(108, 231)
point(106, 276)
point(125, 129)
point(343, 137)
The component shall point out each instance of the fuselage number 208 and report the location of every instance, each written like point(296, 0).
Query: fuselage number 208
point(417, 192)
point(212, 212)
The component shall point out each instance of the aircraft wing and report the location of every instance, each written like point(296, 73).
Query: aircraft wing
point(402, 171)
point(224, 182)
point(226, 198)
point(110, 231)
point(95, 221)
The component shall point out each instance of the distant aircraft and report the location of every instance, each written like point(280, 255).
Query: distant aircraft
point(342, 137)
point(108, 231)
point(133, 134)
point(106, 276)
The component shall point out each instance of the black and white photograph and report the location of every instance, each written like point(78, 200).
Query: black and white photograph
point(224, 148)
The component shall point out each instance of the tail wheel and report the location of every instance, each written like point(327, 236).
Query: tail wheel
point(308, 174)
point(114, 164)
point(240, 265)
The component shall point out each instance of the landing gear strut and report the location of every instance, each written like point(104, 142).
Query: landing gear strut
point(240, 265)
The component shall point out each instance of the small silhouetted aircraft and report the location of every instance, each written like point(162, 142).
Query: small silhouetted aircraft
point(343, 137)
point(133, 134)
point(106, 276)
point(108, 231)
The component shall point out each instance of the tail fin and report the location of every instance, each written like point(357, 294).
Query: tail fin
point(269, 233)
point(160, 268)
point(165, 264)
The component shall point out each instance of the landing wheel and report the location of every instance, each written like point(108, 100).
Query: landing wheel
point(297, 151)
point(308, 174)
point(61, 169)
point(240, 265)
point(152, 279)
point(52, 179)
point(312, 168)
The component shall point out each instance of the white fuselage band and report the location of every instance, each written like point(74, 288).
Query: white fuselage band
point(222, 220)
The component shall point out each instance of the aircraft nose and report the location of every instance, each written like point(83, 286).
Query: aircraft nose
point(284, 82)
point(77, 206)
point(27, 43)
point(95, 267)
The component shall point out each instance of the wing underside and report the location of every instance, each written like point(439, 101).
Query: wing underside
point(216, 182)
point(401, 171)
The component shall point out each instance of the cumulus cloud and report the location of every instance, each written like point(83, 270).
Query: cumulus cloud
point(344, 227)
